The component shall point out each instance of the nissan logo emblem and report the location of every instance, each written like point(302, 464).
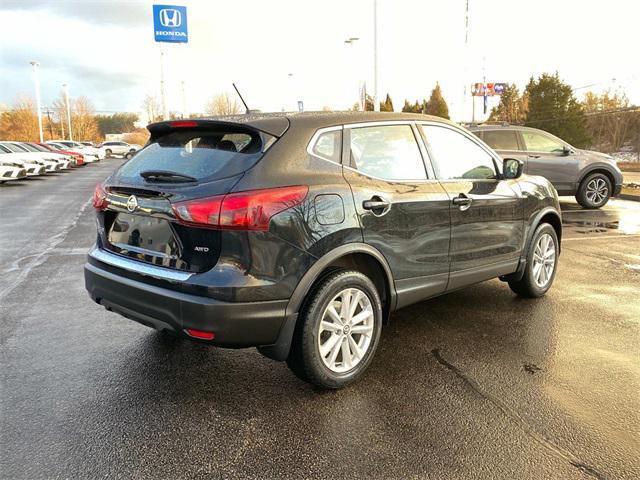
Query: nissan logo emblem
point(132, 203)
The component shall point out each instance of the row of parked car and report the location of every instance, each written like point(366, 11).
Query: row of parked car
point(19, 160)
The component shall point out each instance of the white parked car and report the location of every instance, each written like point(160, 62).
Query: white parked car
point(90, 155)
point(49, 164)
point(11, 172)
point(12, 159)
point(82, 148)
point(64, 160)
point(124, 149)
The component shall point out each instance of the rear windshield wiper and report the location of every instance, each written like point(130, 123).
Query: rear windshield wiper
point(166, 176)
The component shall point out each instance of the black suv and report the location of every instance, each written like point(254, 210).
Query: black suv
point(301, 233)
point(593, 177)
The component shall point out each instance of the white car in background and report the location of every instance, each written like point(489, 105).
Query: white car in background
point(11, 172)
point(127, 150)
point(12, 159)
point(82, 148)
point(90, 155)
point(64, 160)
point(49, 164)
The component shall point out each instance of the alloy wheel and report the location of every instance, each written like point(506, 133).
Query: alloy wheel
point(346, 330)
point(597, 191)
point(544, 260)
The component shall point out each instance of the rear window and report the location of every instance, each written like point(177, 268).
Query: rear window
point(501, 139)
point(202, 154)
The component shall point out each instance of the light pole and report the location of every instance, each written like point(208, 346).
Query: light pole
point(66, 98)
point(37, 85)
point(351, 41)
point(376, 105)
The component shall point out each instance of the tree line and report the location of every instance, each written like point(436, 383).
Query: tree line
point(604, 122)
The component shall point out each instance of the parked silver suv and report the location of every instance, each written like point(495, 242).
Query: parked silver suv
point(592, 177)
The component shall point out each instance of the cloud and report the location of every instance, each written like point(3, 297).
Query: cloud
point(113, 12)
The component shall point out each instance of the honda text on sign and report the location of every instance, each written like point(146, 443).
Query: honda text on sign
point(170, 23)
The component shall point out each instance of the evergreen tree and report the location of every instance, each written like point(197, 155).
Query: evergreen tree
point(512, 107)
point(437, 105)
point(554, 108)
point(387, 105)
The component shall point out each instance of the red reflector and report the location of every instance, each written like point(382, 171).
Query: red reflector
point(100, 198)
point(183, 123)
point(250, 210)
point(200, 334)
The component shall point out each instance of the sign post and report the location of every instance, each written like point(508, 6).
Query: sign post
point(169, 26)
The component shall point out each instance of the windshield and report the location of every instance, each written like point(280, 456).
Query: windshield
point(15, 148)
point(203, 155)
point(29, 147)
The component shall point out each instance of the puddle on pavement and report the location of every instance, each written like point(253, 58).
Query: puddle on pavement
point(627, 226)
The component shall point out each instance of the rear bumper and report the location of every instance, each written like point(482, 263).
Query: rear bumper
point(234, 324)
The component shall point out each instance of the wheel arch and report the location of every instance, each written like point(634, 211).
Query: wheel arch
point(356, 256)
point(598, 169)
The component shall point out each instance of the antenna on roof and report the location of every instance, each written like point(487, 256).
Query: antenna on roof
point(244, 103)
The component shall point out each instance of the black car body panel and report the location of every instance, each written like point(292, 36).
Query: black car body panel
point(249, 285)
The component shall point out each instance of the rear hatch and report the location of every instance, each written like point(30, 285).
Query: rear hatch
point(185, 167)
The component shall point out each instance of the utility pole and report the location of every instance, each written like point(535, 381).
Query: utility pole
point(376, 105)
point(50, 125)
point(163, 96)
point(184, 102)
point(66, 97)
point(37, 85)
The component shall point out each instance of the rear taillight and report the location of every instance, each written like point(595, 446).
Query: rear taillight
point(100, 198)
point(251, 210)
point(183, 124)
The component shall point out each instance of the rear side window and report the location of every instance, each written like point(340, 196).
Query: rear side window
point(501, 139)
point(387, 151)
point(328, 145)
point(457, 156)
point(203, 154)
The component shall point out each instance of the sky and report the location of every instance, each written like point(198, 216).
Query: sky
point(105, 50)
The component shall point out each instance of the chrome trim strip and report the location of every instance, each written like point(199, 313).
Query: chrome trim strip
point(138, 267)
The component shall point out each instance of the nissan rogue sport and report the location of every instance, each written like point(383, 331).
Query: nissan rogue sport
point(299, 234)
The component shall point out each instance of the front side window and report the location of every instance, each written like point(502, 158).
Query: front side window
point(457, 156)
point(328, 146)
point(501, 139)
point(537, 142)
point(387, 151)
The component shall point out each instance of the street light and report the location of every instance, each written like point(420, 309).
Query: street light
point(37, 85)
point(351, 41)
point(66, 97)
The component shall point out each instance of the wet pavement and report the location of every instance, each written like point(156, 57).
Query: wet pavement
point(474, 384)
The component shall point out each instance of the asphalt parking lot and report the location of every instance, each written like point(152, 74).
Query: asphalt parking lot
point(474, 384)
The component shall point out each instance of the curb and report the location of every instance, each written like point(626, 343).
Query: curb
point(633, 198)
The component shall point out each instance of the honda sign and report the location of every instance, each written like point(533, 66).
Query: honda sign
point(170, 23)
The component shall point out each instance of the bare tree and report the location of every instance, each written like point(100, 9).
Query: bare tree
point(223, 104)
point(151, 107)
point(21, 122)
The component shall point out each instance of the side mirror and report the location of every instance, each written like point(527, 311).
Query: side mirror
point(512, 168)
point(566, 151)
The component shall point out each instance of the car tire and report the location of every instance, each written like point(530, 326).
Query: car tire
point(539, 273)
point(594, 191)
point(332, 358)
point(129, 155)
point(107, 153)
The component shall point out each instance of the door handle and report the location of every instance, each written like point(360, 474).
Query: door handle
point(377, 205)
point(533, 156)
point(462, 201)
